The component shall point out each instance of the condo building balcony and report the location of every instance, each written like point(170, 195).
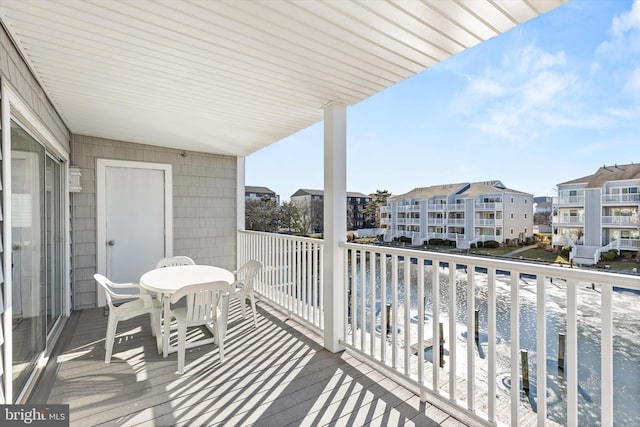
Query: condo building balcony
point(494, 206)
point(621, 220)
point(569, 200)
point(615, 199)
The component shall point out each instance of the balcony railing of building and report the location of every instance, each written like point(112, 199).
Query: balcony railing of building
point(569, 200)
point(409, 221)
point(632, 220)
point(481, 222)
point(455, 221)
point(488, 206)
point(402, 303)
point(437, 206)
point(385, 220)
point(574, 220)
point(408, 208)
point(621, 198)
point(436, 221)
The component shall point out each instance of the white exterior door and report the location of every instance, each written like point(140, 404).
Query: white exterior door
point(134, 218)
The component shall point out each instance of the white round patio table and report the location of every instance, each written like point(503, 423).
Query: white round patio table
point(165, 281)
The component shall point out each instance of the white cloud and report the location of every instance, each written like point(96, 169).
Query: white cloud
point(627, 21)
point(625, 31)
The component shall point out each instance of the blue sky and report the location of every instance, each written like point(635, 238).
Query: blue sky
point(549, 101)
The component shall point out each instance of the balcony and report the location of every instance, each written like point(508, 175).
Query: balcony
point(569, 200)
point(437, 207)
point(277, 374)
point(619, 220)
point(489, 222)
point(488, 206)
point(408, 208)
point(614, 199)
point(436, 221)
point(568, 220)
point(379, 277)
point(455, 221)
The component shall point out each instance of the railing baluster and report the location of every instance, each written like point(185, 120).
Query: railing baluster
point(452, 332)
point(471, 338)
point(541, 348)
point(435, 297)
point(572, 353)
point(354, 310)
point(394, 305)
point(407, 315)
point(383, 308)
point(491, 332)
point(372, 303)
point(420, 289)
point(606, 379)
point(363, 297)
point(321, 283)
point(515, 348)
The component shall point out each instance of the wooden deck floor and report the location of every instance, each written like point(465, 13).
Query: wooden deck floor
point(276, 375)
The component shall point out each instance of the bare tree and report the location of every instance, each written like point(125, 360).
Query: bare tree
point(262, 215)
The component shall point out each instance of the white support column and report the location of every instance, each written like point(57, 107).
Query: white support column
point(335, 222)
point(240, 194)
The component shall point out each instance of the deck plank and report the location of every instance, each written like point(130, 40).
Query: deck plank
point(276, 374)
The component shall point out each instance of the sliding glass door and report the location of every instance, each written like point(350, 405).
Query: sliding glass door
point(36, 251)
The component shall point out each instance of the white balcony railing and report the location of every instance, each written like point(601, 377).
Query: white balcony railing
point(455, 221)
point(488, 206)
point(403, 303)
point(633, 220)
point(437, 206)
point(436, 221)
point(569, 200)
point(408, 208)
point(488, 222)
point(568, 219)
point(292, 273)
point(621, 198)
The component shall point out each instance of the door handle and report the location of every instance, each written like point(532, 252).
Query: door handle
point(111, 242)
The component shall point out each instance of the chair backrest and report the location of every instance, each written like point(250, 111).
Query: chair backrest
point(203, 301)
point(175, 261)
point(247, 273)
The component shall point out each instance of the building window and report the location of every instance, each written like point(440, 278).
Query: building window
point(525, 230)
point(511, 215)
point(511, 231)
point(512, 200)
point(525, 201)
point(525, 217)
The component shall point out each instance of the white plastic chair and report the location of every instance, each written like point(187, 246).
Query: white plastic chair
point(242, 288)
point(136, 305)
point(206, 304)
point(175, 261)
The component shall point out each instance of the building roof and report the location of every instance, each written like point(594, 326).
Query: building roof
point(466, 189)
point(307, 192)
point(606, 174)
point(258, 190)
point(233, 77)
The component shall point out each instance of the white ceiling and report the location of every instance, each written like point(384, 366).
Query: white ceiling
point(232, 77)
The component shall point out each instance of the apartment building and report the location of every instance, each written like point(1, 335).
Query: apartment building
point(253, 193)
point(463, 212)
point(598, 212)
point(312, 202)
